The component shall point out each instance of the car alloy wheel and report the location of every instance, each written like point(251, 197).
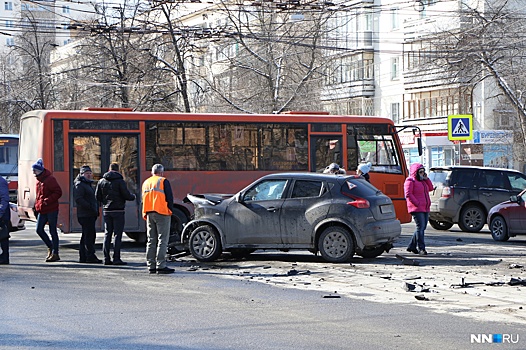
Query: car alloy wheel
point(472, 219)
point(336, 244)
point(205, 243)
point(499, 229)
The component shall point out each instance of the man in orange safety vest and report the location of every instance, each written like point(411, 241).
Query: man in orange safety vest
point(157, 207)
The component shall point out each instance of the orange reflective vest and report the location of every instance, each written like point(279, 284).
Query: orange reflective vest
point(153, 197)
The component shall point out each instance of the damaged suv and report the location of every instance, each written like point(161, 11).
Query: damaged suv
point(337, 216)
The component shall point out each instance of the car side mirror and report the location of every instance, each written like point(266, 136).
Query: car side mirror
point(514, 199)
point(239, 198)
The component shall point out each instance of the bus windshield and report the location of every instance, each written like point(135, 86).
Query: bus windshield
point(8, 155)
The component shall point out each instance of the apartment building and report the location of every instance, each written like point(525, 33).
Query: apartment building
point(412, 92)
point(380, 59)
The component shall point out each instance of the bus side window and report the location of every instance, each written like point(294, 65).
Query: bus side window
point(352, 153)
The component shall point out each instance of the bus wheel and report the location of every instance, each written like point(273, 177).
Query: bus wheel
point(177, 223)
point(205, 243)
point(139, 237)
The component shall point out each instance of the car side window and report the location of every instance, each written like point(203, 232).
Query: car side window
point(494, 179)
point(305, 189)
point(463, 178)
point(266, 190)
point(517, 181)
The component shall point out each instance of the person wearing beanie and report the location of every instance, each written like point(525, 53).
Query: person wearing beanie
point(48, 192)
point(363, 170)
point(113, 193)
point(87, 213)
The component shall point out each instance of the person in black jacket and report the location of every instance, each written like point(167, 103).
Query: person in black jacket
point(113, 193)
point(5, 216)
point(87, 213)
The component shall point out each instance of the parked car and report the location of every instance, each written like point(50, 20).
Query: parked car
point(464, 195)
point(16, 223)
point(334, 215)
point(508, 219)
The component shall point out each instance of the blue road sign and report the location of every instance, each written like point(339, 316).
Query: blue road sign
point(460, 127)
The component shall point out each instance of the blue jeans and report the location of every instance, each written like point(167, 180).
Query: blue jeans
point(113, 226)
point(51, 220)
point(417, 241)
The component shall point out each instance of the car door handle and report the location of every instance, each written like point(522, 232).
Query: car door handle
point(487, 194)
point(272, 209)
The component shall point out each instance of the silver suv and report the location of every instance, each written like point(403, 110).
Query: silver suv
point(464, 195)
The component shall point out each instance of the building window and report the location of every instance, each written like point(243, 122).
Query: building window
point(8, 6)
point(394, 18)
point(437, 103)
point(9, 41)
point(395, 68)
point(395, 112)
point(9, 24)
point(65, 9)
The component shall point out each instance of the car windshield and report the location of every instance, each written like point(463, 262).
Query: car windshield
point(437, 176)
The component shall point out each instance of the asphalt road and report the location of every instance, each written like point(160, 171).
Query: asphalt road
point(273, 300)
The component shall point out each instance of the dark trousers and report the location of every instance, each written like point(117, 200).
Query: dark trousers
point(51, 220)
point(4, 245)
point(113, 226)
point(87, 240)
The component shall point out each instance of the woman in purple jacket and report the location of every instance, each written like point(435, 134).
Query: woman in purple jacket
point(416, 190)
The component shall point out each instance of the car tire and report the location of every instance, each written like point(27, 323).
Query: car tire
point(440, 225)
point(472, 219)
point(205, 243)
point(336, 244)
point(499, 229)
point(372, 253)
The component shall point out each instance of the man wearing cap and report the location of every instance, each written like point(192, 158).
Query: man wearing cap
point(334, 168)
point(48, 193)
point(87, 213)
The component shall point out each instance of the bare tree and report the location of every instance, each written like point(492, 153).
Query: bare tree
point(32, 50)
point(487, 45)
point(262, 60)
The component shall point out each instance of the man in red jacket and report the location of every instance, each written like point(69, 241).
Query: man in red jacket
point(46, 205)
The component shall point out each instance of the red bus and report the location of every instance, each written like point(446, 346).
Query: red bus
point(201, 153)
point(9, 162)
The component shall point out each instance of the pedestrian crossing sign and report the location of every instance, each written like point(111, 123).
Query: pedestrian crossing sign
point(460, 127)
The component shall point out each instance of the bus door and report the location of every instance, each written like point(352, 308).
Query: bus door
point(99, 151)
point(325, 150)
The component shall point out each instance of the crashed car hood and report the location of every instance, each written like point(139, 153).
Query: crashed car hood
point(206, 199)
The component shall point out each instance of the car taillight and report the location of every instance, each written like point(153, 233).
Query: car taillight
point(360, 203)
point(447, 192)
